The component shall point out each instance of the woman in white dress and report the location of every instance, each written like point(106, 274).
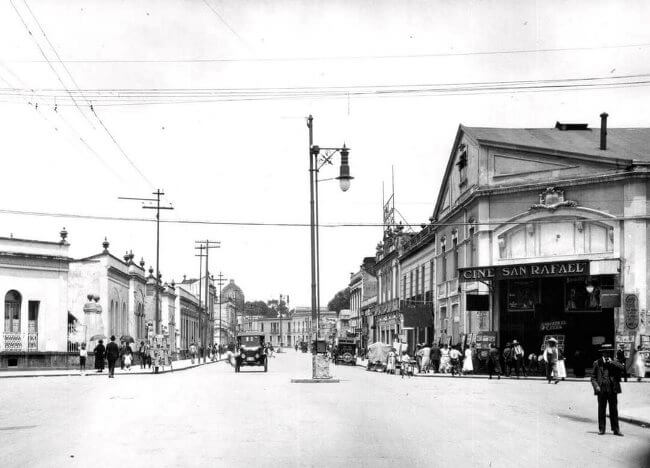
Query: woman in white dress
point(390, 363)
point(639, 363)
point(468, 367)
point(444, 360)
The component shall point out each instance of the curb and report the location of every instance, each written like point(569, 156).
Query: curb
point(101, 374)
point(633, 421)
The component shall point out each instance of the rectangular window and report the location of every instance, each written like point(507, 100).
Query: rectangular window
point(417, 281)
point(431, 277)
point(422, 288)
point(472, 248)
point(444, 264)
point(455, 258)
point(33, 316)
point(411, 284)
point(403, 287)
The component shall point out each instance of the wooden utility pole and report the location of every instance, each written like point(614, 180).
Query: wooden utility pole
point(206, 245)
point(158, 193)
point(220, 281)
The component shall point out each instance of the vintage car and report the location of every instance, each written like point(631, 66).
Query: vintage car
point(345, 351)
point(250, 351)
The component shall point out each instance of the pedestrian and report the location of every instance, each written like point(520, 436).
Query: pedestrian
point(142, 354)
point(444, 359)
point(606, 380)
point(391, 361)
point(518, 358)
point(454, 361)
point(192, 352)
point(468, 365)
point(507, 360)
point(620, 358)
point(407, 366)
point(123, 351)
point(147, 354)
point(83, 354)
point(100, 355)
point(639, 363)
point(533, 364)
point(295, 346)
point(435, 359)
point(128, 358)
point(425, 358)
point(494, 364)
point(551, 356)
point(112, 355)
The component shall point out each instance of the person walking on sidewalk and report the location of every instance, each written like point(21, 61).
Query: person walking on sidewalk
point(425, 358)
point(127, 358)
point(100, 355)
point(551, 356)
point(192, 352)
point(435, 358)
point(142, 354)
point(639, 363)
point(123, 348)
point(112, 355)
point(507, 360)
point(606, 381)
point(493, 364)
point(518, 356)
point(83, 354)
point(468, 365)
point(454, 359)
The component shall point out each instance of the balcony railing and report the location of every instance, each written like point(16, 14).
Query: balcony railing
point(11, 341)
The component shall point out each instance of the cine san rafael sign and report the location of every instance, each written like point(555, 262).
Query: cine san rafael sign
point(526, 270)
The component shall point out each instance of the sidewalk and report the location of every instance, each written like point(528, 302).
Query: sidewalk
point(177, 366)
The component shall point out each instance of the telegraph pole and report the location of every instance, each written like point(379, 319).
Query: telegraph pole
point(220, 281)
point(200, 255)
point(206, 245)
point(158, 193)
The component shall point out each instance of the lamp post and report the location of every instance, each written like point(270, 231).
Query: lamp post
point(319, 157)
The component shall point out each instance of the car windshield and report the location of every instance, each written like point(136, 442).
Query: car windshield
point(249, 341)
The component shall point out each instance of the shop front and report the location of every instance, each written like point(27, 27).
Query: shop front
point(571, 301)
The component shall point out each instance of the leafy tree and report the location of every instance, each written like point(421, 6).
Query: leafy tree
point(258, 308)
point(341, 300)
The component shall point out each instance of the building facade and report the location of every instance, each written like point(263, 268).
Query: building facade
point(33, 280)
point(363, 293)
point(544, 232)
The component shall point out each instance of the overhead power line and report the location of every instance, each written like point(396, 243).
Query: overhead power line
point(344, 57)
point(300, 225)
point(144, 96)
point(78, 92)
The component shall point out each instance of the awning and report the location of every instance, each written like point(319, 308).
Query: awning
point(417, 315)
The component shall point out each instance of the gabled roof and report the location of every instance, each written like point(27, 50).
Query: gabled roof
point(625, 146)
point(622, 143)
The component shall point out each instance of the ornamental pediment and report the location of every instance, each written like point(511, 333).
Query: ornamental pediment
point(551, 199)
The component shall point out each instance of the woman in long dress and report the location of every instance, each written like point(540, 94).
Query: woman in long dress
point(639, 363)
point(444, 360)
point(390, 362)
point(468, 366)
point(100, 356)
point(425, 358)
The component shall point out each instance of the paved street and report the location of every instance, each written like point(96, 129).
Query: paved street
point(210, 416)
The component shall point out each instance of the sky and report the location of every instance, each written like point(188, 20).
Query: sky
point(247, 160)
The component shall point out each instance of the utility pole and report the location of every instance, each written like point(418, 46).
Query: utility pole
point(280, 313)
point(200, 255)
point(220, 281)
point(206, 245)
point(158, 193)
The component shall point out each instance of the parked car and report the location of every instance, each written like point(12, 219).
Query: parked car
point(251, 351)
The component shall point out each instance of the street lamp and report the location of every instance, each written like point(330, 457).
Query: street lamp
point(319, 157)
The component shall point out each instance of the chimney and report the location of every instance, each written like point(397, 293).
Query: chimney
point(603, 131)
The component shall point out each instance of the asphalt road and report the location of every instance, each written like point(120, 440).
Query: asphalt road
point(210, 416)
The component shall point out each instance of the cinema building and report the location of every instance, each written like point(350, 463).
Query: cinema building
point(544, 232)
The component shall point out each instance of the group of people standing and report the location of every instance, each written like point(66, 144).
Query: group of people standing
point(111, 353)
point(453, 360)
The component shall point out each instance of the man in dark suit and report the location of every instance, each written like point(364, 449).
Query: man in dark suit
point(606, 380)
point(112, 355)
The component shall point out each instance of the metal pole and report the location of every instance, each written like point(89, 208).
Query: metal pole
point(200, 276)
point(207, 305)
point(317, 242)
point(280, 312)
point(158, 193)
point(315, 313)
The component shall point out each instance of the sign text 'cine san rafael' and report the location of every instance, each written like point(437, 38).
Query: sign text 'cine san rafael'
point(529, 270)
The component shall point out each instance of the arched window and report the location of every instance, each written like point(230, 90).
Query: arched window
point(112, 317)
point(125, 321)
point(13, 301)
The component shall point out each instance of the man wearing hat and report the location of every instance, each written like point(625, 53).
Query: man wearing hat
point(518, 355)
point(606, 380)
point(551, 356)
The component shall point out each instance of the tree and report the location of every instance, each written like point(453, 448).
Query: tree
point(258, 308)
point(340, 301)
